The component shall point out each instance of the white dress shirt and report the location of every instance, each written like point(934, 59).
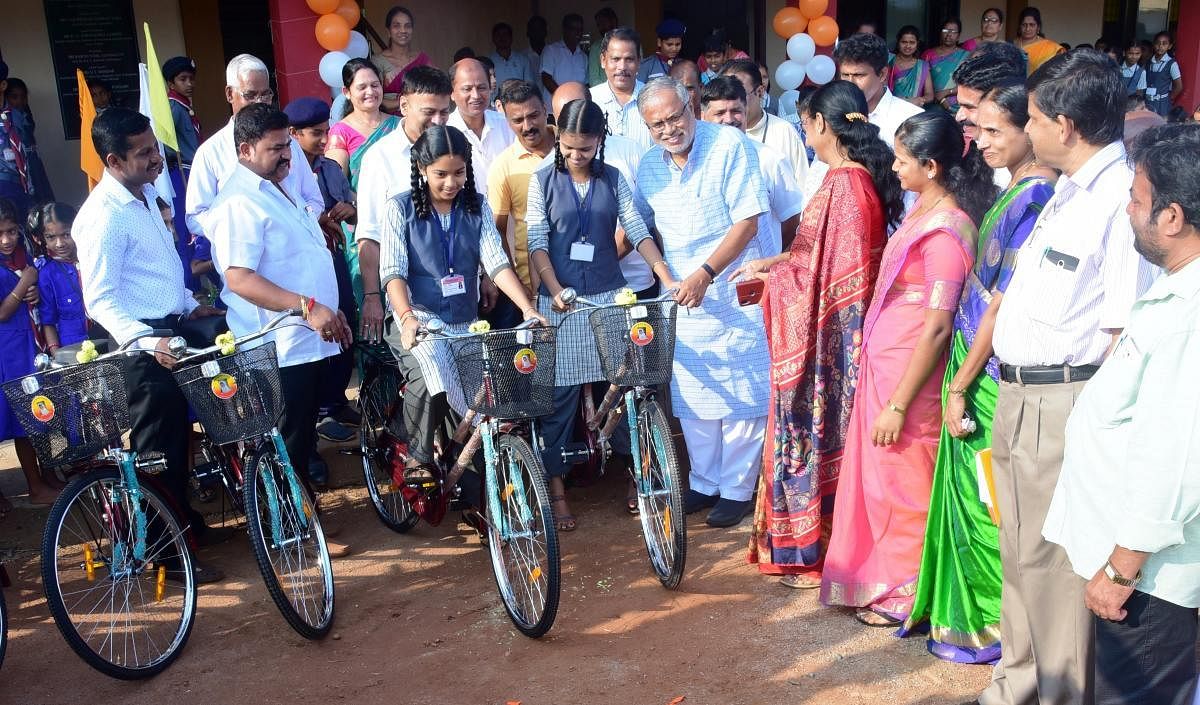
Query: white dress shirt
point(535, 70)
point(215, 162)
point(780, 136)
point(497, 135)
point(625, 155)
point(1077, 275)
point(253, 225)
point(1131, 467)
point(386, 171)
point(564, 65)
point(515, 67)
point(127, 260)
point(624, 120)
point(784, 195)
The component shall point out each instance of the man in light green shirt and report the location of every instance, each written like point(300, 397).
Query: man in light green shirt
point(606, 21)
point(1127, 506)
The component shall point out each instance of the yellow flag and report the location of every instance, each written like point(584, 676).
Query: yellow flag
point(160, 106)
point(89, 161)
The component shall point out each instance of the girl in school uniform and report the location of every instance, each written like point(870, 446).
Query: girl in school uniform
point(575, 205)
point(18, 346)
point(63, 319)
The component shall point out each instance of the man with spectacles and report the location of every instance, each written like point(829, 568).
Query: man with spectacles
point(701, 188)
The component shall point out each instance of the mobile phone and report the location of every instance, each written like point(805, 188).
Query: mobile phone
point(750, 291)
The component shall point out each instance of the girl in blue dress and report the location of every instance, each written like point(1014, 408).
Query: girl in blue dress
point(18, 287)
point(63, 319)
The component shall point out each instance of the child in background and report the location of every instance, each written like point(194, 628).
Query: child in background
point(18, 287)
point(64, 321)
point(207, 281)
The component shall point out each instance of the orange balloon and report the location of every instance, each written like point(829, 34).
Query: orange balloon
point(333, 34)
point(322, 7)
point(349, 11)
point(813, 9)
point(789, 21)
point(823, 30)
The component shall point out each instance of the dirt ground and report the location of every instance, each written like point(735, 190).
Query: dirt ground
point(419, 622)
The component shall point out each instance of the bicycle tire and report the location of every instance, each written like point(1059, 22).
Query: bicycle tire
point(664, 525)
point(3, 627)
point(534, 616)
point(389, 503)
point(279, 564)
point(92, 531)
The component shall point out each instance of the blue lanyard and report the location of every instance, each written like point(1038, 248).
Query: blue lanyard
point(447, 237)
point(584, 209)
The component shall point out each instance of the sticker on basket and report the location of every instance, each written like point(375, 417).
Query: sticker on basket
point(224, 386)
point(42, 408)
point(638, 312)
point(642, 334)
point(525, 361)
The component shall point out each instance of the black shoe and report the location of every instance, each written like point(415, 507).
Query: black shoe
point(694, 501)
point(213, 535)
point(728, 512)
point(347, 414)
point(203, 573)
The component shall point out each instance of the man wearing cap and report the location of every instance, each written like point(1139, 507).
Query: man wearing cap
point(617, 95)
point(670, 42)
point(180, 73)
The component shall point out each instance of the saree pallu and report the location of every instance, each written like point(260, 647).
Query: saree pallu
point(910, 82)
point(389, 124)
point(1040, 52)
point(883, 493)
point(814, 309)
point(941, 70)
point(958, 591)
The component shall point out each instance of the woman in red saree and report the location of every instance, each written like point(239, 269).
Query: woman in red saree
point(887, 471)
point(816, 296)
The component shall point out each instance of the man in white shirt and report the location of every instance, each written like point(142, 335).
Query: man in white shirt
point(272, 257)
point(620, 51)
point(1074, 282)
point(723, 101)
point(762, 127)
point(536, 30)
point(565, 60)
point(625, 155)
point(510, 65)
point(486, 130)
point(246, 83)
point(132, 286)
point(386, 171)
point(1127, 506)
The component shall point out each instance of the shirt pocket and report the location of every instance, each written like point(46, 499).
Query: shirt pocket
point(1058, 273)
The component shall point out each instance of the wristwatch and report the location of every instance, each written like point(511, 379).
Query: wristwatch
point(1119, 579)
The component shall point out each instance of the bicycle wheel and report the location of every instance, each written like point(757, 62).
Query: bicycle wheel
point(660, 496)
point(126, 618)
point(3, 627)
point(523, 542)
point(379, 403)
point(288, 545)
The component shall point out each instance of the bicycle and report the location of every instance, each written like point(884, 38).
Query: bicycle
point(383, 449)
point(116, 565)
point(636, 343)
point(3, 614)
point(235, 393)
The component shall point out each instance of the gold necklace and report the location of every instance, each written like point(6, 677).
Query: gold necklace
point(923, 211)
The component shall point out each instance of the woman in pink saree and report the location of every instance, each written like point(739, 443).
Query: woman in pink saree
point(887, 470)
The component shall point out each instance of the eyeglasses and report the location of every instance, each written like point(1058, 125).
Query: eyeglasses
point(675, 120)
point(251, 97)
point(991, 20)
point(950, 31)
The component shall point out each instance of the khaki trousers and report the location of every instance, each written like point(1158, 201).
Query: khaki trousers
point(1046, 633)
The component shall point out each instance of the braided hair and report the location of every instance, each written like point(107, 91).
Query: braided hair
point(582, 117)
point(436, 142)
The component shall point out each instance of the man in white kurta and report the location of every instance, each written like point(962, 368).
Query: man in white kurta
point(701, 187)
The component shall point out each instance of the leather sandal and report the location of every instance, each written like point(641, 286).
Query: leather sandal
point(563, 522)
point(873, 618)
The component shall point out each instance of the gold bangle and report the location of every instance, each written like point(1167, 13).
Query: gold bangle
point(893, 406)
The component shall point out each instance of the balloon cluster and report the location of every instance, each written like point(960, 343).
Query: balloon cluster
point(805, 28)
point(336, 35)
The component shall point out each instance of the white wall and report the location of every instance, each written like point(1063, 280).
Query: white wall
point(26, 48)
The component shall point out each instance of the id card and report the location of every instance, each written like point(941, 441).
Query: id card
point(582, 252)
point(453, 285)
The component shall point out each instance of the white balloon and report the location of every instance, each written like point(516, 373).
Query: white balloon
point(789, 75)
point(330, 68)
point(821, 70)
point(787, 103)
point(801, 48)
point(358, 47)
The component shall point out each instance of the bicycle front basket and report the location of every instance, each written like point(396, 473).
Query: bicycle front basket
point(636, 343)
point(236, 396)
point(508, 374)
point(72, 414)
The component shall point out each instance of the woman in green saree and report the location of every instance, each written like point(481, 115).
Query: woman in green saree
point(943, 59)
point(958, 589)
point(908, 75)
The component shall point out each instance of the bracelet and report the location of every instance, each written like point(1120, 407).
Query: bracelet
point(405, 315)
point(542, 269)
point(712, 273)
point(304, 307)
point(892, 406)
point(371, 293)
point(661, 261)
point(527, 310)
point(956, 392)
point(13, 294)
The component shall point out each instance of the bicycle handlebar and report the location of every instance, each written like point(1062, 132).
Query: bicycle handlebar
point(178, 349)
point(572, 298)
point(436, 328)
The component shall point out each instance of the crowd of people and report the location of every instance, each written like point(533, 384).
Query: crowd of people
point(959, 409)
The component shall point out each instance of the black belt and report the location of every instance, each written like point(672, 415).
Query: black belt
point(1051, 374)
